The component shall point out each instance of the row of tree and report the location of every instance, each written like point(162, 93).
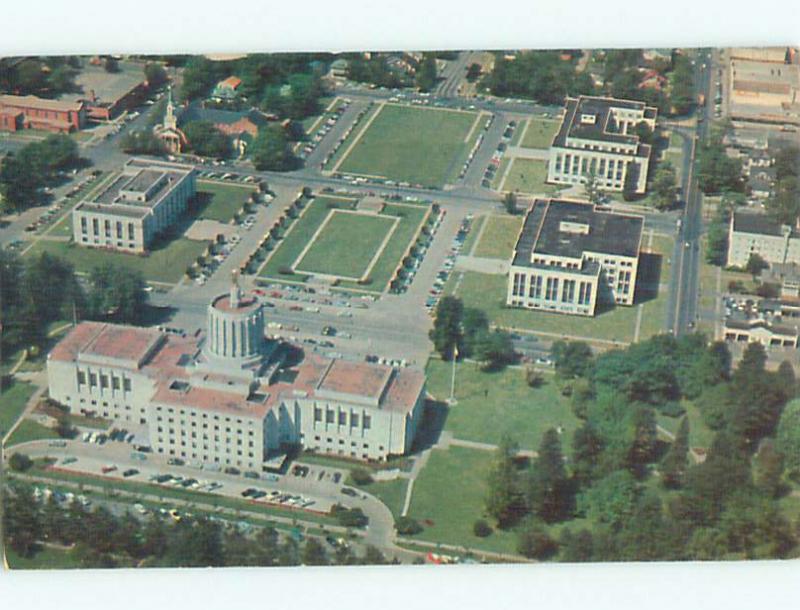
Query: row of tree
point(463, 332)
point(725, 506)
point(43, 289)
point(25, 174)
point(104, 540)
point(41, 76)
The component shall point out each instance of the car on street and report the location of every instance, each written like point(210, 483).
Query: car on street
point(130, 472)
point(349, 491)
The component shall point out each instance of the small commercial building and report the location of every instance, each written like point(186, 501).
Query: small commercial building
point(764, 86)
point(227, 89)
point(571, 255)
point(752, 232)
point(231, 397)
point(142, 201)
point(597, 137)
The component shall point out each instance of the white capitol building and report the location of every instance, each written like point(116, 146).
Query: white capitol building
point(229, 395)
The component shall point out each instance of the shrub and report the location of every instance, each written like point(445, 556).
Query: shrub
point(481, 529)
point(671, 409)
point(349, 517)
point(284, 270)
point(535, 543)
point(361, 476)
point(406, 526)
point(20, 462)
point(533, 378)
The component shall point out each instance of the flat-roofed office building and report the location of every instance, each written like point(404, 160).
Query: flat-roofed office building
point(752, 233)
point(146, 198)
point(597, 136)
point(570, 255)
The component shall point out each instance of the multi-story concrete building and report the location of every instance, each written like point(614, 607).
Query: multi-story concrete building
point(755, 233)
point(146, 198)
point(570, 255)
point(230, 396)
point(597, 137)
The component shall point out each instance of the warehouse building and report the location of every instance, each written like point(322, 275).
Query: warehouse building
point(231, 397)
point(597, 137)
point(145, 199)
point(570, 256)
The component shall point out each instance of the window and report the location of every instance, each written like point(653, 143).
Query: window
point(329, 416)
point(81, 377)
point(367, 422)
point(519, 284)
point(84, 226)
point(103, 381)
point(114, 383)
point(130, 230)
point(126, 384)
point(551, 290)
point(92, 379)
point(568, 291)
point(535, 290)
point(342, 418)
point(119, 230)
point(354, 420)
point(95, 227)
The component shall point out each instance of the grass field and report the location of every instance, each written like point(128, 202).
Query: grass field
point(499, 237)
point(449, 496)
point(29, 430)
point(46, 559)
point(391, 493)
point(528, 176)
point(540, 133)
point(12, 403)
point(472, 236)
point(401, 136)
point(301, 232)
point(218, 201)
point(501, 171)
point(491, 404)
point(487, 292)
point(700, 435)
point(346, 244)
point(164, 264)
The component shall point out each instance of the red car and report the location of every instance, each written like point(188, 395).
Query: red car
point(107, 469)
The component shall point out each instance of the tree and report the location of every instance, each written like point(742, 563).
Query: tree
point(675, 463)
point(717, 244)
point(314, 553)
point(473, 323)
point(446, 331)
point(504, 501)
point(664, 186)
point(206, 140)
point(481, 529)
point(271, 150)
point(142, 142)
point(20, 462)
point(534, 542)
point(510, 203)
point(769, 466)
point(493, 349)
point(611, 500)
point(426, 73)
point(116, 294)
point(21, 520)
point(549, 493)
point(576, 548)
point(571, 358)
point(716, 171)
point(591, 188)
point(756, 264)
point(534, 378)
point(587, 447)
point(473, 72)
point(787, 440)
point(155, 75)
point(406, 526)
point(111, 65)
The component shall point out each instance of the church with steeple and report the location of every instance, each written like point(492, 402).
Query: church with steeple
point(168, 132)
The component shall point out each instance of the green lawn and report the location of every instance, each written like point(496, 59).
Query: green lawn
point(488, 292)
point(540, 133)
point(29, 430)
point(302, 230)
point(411, 144)
point(351, 138)
point(167, 263)
point(12, 403)
point(449, 496)
point(46, 559)
point(501, 171)
point(219, 201)
point(700, 435)
point(346, 244)
point(391, 493)
point(499, 237)
point(472, 236)
point(497, 403)
point(528, 176)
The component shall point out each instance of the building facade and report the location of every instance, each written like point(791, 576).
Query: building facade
point(597, 137)
point(570, 256)
point(31, 112)
point(755, 233)
point(146, 198)
point(231, 397)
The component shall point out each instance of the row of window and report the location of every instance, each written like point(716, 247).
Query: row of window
point(205, 447)
point(551, 289)
point(104, 381)
point(107, 228)
point(205, 458)
point(340, 418)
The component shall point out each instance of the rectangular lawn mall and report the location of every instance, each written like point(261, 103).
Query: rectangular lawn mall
point(416, 145)
point(346, 244)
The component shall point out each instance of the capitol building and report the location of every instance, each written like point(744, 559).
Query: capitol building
point(229, 396)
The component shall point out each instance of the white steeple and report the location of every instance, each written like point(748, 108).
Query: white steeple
point(170, 120)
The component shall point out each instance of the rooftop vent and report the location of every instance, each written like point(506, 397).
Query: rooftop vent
point(588, 119)
point(179, 386)
point(574, 227)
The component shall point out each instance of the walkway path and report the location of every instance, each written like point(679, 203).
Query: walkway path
point(518, 152)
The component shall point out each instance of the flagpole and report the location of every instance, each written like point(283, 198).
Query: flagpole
point(453, 378)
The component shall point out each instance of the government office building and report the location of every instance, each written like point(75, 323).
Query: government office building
point(231, 397)
point(752, 233)
point(145, 199)
point(597, 136)
point(572, 255)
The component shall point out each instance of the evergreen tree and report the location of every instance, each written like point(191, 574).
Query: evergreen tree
point(549, 493)
point(504, 498)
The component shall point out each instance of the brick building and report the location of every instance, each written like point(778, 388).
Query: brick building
point(31, 112)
